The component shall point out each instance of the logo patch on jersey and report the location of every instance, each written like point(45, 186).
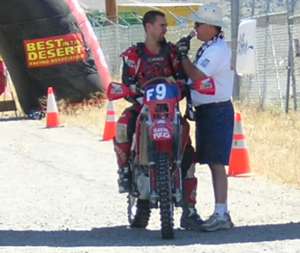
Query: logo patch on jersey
point(121, 136)
point(205, 86)
point(155, 59)
point(204, 63)
point(130, 63)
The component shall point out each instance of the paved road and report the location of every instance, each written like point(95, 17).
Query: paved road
point(58, 193)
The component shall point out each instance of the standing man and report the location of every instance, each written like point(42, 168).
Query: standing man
point(155, 58)
point(211, 86)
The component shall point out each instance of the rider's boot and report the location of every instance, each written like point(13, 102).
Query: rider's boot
point(122, 152)
point(123, 180)
point(190, 219)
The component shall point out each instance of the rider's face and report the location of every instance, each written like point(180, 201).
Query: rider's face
point(158, 29)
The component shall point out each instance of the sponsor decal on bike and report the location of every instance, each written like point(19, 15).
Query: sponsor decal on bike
point(161, 133)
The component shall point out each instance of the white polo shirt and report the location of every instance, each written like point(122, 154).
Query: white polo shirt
point(215, 62)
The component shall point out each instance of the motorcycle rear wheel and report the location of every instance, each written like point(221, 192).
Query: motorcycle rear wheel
point(138, 212)
point(165, 193)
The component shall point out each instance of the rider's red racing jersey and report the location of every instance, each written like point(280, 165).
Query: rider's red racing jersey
point(140, 65)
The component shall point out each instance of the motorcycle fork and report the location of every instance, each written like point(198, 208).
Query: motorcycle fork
point(177, 193)
point(177, 149)
point(154, 197)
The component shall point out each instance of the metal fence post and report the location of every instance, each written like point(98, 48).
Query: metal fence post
point(253, 8)
point(267, 35)
point(235, 19)
point(291, 40)
point(291, 67)
point(111, 10)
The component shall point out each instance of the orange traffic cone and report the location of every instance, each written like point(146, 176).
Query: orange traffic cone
point(239, 158)
point(52, 111)
point(110, 127)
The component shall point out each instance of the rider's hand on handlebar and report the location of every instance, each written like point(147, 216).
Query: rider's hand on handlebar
point(132, 88)
point(135, 90)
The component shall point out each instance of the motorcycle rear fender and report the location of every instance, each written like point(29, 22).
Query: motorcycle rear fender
point(165, 146)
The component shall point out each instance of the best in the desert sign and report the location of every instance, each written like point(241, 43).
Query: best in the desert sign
point(55, 50)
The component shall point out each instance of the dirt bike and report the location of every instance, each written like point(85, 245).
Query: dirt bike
point(156, 153)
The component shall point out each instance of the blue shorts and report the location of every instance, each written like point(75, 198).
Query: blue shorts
point(214, 132)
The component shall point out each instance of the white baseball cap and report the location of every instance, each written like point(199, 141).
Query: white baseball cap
point(210, 14)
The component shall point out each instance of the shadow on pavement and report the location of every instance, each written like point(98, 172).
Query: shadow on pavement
point(7, 119)
point(123, 236)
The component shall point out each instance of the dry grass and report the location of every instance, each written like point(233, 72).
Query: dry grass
point(273, 138)
point(91, 117)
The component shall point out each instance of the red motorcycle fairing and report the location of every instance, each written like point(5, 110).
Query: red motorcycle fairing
point(161, 99)
point(118, 90)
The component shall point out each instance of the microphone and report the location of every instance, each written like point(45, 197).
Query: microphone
point(191, 35)
point(184, 45)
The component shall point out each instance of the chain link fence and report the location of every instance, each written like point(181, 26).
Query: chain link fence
point(278, 62)
point(114, 39)
point(277, 79)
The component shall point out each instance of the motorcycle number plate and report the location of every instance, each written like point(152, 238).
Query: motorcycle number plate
point(161, 92)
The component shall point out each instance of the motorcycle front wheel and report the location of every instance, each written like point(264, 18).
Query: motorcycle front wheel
point(165, 194)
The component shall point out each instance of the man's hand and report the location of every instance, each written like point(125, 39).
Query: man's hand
point(183, 47)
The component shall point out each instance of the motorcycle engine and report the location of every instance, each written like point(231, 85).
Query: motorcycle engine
point(143, 186)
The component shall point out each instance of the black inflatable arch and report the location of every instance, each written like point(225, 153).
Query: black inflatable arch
point(48, 43)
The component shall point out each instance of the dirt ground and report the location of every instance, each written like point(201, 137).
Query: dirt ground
point(58, 193)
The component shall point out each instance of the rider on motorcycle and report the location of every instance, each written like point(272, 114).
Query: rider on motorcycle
point(141, 63)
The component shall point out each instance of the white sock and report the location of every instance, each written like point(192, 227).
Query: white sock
point(221, 209)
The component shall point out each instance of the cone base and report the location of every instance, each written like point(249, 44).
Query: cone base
point(240, 175)
point(109, 131)
point(52, 120)
point(239, 163)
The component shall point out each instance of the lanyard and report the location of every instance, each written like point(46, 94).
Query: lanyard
point(208, 44)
